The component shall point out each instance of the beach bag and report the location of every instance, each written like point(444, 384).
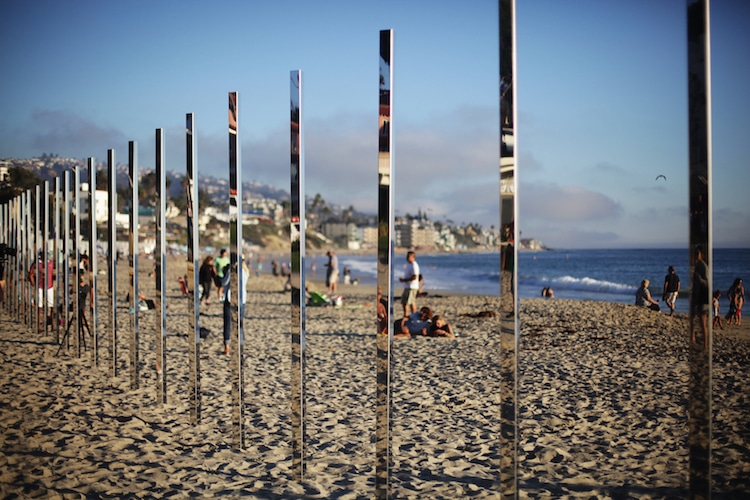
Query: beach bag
point(654, 307)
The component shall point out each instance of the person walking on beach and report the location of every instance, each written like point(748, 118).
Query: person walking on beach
point(411, 278)
point(332, 272)
point(736, 296)
point(220, 264)
point(715, 303)
point(227, 305)
point(643, 297)
point(699, 298)
point(671, 289)
point(206, 275)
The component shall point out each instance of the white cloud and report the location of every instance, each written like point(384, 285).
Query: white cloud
point(565, 203)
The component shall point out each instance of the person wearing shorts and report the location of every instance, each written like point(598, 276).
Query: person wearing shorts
point(671, 289)
point(411, 279)
point(45, 288)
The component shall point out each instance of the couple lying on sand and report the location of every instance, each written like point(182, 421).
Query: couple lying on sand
point(423, 323)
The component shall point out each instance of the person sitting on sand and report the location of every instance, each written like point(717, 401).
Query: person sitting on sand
point(440, 328)
point(643, 297)
point(548, 293)
point(417, 323)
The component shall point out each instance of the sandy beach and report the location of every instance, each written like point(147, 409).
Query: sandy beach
point(602, 405)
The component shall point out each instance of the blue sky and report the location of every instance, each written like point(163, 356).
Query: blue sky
point(601, 103)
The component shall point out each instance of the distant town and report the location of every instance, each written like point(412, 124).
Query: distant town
point(265, 212)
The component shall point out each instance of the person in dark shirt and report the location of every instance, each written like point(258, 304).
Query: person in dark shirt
point(671, 289)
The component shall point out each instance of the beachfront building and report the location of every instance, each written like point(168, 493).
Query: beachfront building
point(416, 234)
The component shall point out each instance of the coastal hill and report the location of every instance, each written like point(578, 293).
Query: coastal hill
point(266, 209)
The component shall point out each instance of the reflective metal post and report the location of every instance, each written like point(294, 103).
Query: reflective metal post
point(4, 229)
point(28, 289)
point(509, 327)
point(384, 337)
point(30, 259)
point(44, 246)
point(40, 304)
point(75, 213)
point(112, 257)
point(133, 261)
point(66, 249)
point(236, 277)
point(57, 247)
point(161, 269)
point(93, 258)
point(297, 234)
point(18, 295)
point(699, 125)
point(191, 192)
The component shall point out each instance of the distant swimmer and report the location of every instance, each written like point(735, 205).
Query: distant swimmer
point(661, 176)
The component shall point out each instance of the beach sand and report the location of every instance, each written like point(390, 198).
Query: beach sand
point(602, 405)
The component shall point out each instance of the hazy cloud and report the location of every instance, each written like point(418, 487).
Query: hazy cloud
point(609, 168)
point(67, 133)
point(566, 203)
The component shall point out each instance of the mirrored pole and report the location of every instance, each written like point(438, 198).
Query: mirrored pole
point(297, 234)
point(701, 254)
point(112, 257)
point(57, 247)
point(161, 269)
point(509, 326)
point(66, 250)
point(39, 263)
point(4, 229)
point(236, 273)
point(384, 336)
point(133, 262)
point(45, 251)
point(30, 259)
point(76, 254)
point(194, 339)
point(19, 290)
point(93, 258)
point(28, 289)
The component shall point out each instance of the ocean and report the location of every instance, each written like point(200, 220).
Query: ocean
point(603, 275)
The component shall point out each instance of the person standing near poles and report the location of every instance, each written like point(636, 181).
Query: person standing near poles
point(220, 263)
point(45, 288)
point(411, 280)
point(671, 289)
point(332, 273)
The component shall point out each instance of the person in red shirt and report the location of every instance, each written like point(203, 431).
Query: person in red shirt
point(45, 288)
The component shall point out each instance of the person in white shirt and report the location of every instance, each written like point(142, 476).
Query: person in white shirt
point(411, 278)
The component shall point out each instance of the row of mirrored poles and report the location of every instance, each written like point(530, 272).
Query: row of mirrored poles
point(66, 212)
point(47, 223)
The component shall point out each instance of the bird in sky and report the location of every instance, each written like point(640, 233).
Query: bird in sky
point(662, 176)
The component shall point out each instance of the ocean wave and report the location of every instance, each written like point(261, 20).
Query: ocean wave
point(584, 284)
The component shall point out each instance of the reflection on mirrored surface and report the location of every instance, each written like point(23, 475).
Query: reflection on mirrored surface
point(112, 255)
point(160, 262)
point(297, 276)
point(384, 336)
point(92, 253)
point(699, 112)
point(193, 333)
point(234, 301)
point(133, 264)
point(508, 469)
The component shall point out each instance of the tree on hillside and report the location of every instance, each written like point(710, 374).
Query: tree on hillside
point(17, 181)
